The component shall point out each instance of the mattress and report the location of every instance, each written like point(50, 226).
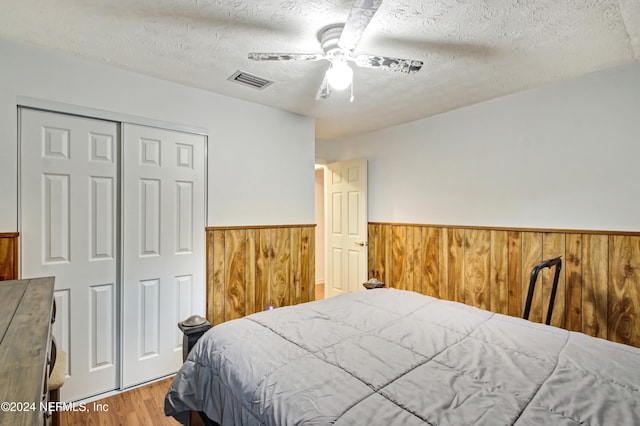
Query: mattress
point(391, 357)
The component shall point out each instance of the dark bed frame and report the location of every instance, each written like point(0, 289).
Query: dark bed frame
point(193, 328)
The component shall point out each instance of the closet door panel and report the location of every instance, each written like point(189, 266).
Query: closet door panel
point(68, 212)
point(163, 246)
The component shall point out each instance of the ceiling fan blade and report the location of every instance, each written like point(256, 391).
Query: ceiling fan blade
point(286, 56)
point(325, 89)
point(407, 66)
point(359, 17)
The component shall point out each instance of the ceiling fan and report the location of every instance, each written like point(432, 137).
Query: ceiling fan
point(338, 43)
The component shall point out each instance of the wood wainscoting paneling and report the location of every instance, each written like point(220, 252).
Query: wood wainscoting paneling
point(250, 268)
point(490, 268)
point(8, 256)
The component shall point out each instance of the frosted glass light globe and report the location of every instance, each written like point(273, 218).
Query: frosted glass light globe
point(340, 75)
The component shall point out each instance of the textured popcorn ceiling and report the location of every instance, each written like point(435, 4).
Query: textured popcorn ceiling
point(472, 50)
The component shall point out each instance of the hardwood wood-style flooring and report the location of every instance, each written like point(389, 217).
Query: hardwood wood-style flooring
point(138, 407)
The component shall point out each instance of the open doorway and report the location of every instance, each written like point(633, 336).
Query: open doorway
point(320, 231)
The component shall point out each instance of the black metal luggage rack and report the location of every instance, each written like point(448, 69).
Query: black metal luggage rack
point(557, 262)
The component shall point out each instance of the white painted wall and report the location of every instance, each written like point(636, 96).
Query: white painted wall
point(261, 160)
point(562, 156)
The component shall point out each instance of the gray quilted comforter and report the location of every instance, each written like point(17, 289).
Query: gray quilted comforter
point(389, 357)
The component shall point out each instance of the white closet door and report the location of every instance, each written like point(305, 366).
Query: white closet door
point(163, 246)
point(68, 197)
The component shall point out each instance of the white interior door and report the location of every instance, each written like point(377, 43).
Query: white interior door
point(68, 229)
point(163, 247)
point(346, 190)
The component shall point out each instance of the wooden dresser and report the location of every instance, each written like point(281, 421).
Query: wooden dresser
point(8, 256)
point(26, 310)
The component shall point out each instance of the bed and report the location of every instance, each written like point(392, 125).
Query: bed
point(391, 357)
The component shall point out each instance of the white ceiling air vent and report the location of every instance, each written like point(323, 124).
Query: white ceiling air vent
point(242, 77)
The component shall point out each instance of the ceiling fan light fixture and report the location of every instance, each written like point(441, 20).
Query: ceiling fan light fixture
point(339, 75)
point(338, 42)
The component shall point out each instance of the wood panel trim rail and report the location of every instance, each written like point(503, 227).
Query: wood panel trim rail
point(228, 228)
point(514, 229)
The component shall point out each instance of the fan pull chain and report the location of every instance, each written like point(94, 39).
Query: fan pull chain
point(351, 98)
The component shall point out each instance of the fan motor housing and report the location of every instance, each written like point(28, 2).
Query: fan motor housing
point(328, 38)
